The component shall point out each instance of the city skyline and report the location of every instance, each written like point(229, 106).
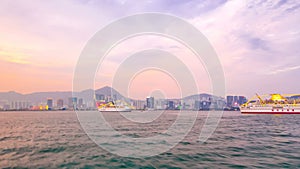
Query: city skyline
point(84, 101)
point(256, 41)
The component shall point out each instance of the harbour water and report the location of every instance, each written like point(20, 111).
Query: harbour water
point(56, 140)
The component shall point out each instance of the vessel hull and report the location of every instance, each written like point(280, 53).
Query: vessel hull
point(271, 111)
point(114, 110)
point(259, 112)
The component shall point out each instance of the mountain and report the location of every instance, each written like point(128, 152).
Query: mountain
point(87, 95)
point(41, 97)
point(11, 95)
point(111, 91)
point(197, 96)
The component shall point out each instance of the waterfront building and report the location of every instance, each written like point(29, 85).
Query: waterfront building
point(80, 103)
point(229, 101)
point(72, 102)
point(60, 103)
point(50, 103)
point(139, 104)
point(242, 100)
point(150, 102)
point(170, 105)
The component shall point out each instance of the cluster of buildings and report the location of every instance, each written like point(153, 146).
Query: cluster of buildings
point(15, 105)
point(72, 104)
point(235, 101)
point(206, 102)
point(49, 104)
point(150, 103)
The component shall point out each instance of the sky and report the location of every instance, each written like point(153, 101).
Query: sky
point(257, 43)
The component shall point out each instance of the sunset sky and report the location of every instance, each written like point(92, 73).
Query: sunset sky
point(258, 43)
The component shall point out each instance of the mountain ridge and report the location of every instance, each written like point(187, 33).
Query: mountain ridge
point(87, 95)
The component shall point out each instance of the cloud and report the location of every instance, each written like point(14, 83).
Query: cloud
point(254, 39)
point(284, 70)
point(13, 57)
point(254, 43)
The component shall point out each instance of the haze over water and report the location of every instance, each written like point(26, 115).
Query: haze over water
point(56, 140)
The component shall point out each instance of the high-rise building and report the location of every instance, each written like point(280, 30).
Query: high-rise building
point(6, 107)
point(221, 104)
point(170, 105)
point(60, 103)
point(80, 103)
point(242, 100)
point(229, 101)
point(50, 103)
point(72, 102)
point(19, 105)
point(139, 104)
point(150, 102)
point(159, 104)
point(235, 100)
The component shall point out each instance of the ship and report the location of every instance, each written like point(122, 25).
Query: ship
point(112, 106)
point(272, 104)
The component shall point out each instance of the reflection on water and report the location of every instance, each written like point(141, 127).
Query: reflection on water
point(56, 140)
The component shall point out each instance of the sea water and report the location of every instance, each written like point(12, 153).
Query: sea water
point(55, 139)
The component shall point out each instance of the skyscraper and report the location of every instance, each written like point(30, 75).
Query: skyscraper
point(235, 100)
point(72, 102)
point(242, 100)
point(150, 102)
point(229, 100)
point(80, 103)
point(50, 103)
point(60, 103)
point(171, 105)
point(139, 104)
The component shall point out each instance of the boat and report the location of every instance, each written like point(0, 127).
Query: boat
point(272, 104)
point(112, 107)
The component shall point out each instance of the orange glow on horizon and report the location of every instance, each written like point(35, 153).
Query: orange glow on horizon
point(28, 78)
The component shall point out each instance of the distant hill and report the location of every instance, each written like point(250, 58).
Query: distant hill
point(86, 95)
point(11, 95)
point(41, 97)
point(197, 96)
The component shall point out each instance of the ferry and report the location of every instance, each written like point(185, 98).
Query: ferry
point(112, 107)
point(272, 104)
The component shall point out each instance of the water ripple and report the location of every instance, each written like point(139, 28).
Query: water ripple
point(56, 140)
